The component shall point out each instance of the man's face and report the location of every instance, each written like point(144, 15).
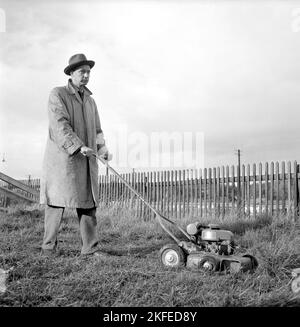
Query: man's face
point(81, 75)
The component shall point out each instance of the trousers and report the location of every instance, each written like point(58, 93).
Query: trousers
point(87, 225)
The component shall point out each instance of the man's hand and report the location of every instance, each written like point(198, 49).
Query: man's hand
point(107, 156)
point(86, 151)
point(103, 153)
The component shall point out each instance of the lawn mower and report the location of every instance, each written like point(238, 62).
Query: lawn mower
point(205, 247)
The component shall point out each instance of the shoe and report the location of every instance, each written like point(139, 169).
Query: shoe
point(49, 253)
point(98, 254)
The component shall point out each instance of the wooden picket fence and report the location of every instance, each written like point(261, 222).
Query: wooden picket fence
point(249, 190)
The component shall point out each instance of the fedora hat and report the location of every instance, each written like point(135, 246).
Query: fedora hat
point(76, 61)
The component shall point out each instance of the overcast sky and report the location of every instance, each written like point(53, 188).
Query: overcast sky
point(229, 70)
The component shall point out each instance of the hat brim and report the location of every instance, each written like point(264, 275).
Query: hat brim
point(69, 68)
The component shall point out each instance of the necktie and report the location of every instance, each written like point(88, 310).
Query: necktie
point(81, 93)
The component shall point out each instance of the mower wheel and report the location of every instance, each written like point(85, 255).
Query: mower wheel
point(254, 261)
point(171, 255)
point(209, 263)
point(296, 285)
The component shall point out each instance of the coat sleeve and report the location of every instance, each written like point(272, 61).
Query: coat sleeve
point(61, 131)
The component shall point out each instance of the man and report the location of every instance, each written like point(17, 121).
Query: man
point(70, 171)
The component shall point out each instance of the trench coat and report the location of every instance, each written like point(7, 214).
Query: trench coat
point(70, 179)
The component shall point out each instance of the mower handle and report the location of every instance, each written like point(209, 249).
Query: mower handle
point(158, 215)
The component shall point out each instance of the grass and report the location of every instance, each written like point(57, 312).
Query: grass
point(133, 276)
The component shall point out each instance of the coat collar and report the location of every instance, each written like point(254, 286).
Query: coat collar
point(72, 89)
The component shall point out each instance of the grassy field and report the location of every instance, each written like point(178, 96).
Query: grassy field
point(132, 275)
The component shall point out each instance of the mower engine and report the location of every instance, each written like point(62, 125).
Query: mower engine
point(211, 238)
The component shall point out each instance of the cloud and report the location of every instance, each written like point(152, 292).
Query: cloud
point(227, 69)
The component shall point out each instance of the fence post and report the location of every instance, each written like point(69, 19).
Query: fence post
point(227, 189)
point(179, 193)
point(254, 190)
point(277, 186)
point(191, 193)
point(218, 192)
point(232, 189)
point(298, 189)
point(266, 188)
point(223, 192)
point(5, 201)
point(176, 193)
point(243, 190)
point(283, 186)
point(248, 191)
point(271, 187)
point(183, 192)
point(214, 178)
point(289, 173)
point(296, 194)
point(200, 192)
point(195, 198)
point(172, 192)
point(209, 190)
point(205, 191)
point(260, 187)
